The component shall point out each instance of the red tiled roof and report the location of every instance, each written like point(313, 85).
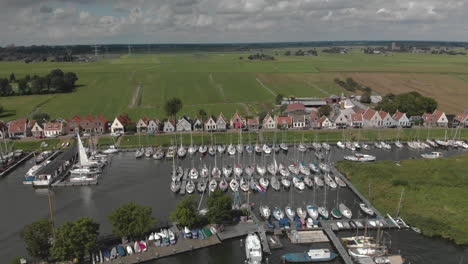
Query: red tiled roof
point(322, 119)
point(294, 107)
point(53, 126)
point(123, 120)
point(369, 114)
point(284, 120)
point(18, 125)
point(31, 123)
point(265, 120)
point(383, 114)
point(356, 117)
point(252, 121)
point(313, 116)
point(102, 119)
point(90, 118)
point(461, 117)
point(426, 116)
point(436, 115)
point(398, 115)
point(76, 119)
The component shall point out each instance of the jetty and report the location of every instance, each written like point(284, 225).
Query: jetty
point(310, 236)
point(58, 168)
point(337, 243)
point(16, 164)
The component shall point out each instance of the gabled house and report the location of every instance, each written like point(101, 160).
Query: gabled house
point(3, 130)
point(387, 120)
point(142, 125)
point(89, 124)
point(210, 124)
point(371, 118)
point(342, 120)
point(37, 130)
point(299, 121)
point(295, 109)
point(153, 126)
point(18, 128)
point(356, 120)
point(100, 124)
point(118, 126)
point(269, 122)
point(313, 119)
point(325, 123)
point(169, 126)
point(438, 118)
point(184, 124)
point(237, 121)
point(53, 129)
point(197, 125)
point(283, 122)
point(74, 125)
point(253, 123)
point(221, 123)
point(461, 120)
point(401, 120)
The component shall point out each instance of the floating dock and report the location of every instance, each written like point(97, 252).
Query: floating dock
point(240, 229)
point(337, 243)
point(16, 164)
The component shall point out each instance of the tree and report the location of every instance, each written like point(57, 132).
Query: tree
point(412, 103)
point(74, 240)
point(279, 99)
point(37, 85)
point(365, 98)
point(173, 106)
point(57, 83)
point(325, 110)
point(287, 53)
point(12, 77)
point(70, 79)
point(23, 86)
point(5, 88)
point(186, 213)
point(132, 220)
point(219, 207)
point(37, 236)
point(41, 117)
point(202, 114)
point(1, 109)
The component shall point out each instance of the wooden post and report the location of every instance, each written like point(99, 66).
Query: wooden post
point(51, 212)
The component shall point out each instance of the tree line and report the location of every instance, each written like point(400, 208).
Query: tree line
point(55, 82)
point(412, 103)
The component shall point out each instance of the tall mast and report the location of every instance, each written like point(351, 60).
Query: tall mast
point(399, 203)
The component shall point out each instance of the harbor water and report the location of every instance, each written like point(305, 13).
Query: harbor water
point(146, 181)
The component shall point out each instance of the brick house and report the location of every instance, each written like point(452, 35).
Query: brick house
point(461, 120)
point(283, 122)
point(253, 123)
point(74, 125)
point(19, 128)
point(53, 129)
point(237, 121)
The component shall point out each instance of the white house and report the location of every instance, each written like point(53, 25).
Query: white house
point(53, 129)
point(142, 125)
point(210, 124)
point(37, 130)
point(371, 118)
point(438, 118)
point(357, 120)
point(221, 123)
point(342, 119)
point(269, 122)
point(184, 124)
point(197, 125)
point(169, 126)
point(299, 121)
point(325, 123)
point(387, 120)
point(401, 120)
point(153, 126)
point(118, 126)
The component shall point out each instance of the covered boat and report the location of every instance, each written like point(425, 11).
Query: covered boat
point(313, 255)
point(253, 249)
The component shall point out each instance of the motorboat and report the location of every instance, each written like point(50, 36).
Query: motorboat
point(193, 174)
point(234, 185)
point(190, 187)
point(244, 185)
point(357, 145)
point(313, 255)
point(366, 209)
point(432, 155)
point(201, 186)
point(301, 213)
point(253, 249)
point(301, 147)
point(278, 214)
point(112, 149)
point(42, 156)
point(264, 182)
point(345, 211)
point(340, 145)
point(237, 170)
point(378, 145)
point(265, 212)
point(308, 181)
point(317, 146)
point(309, 223)
point(227, 171)
point(293, 168)
point(286, 182)
point(212, 185)
point(290, 213)
point(386, 145)
point(366, 147)
point(312, 211)
point(175, 186)
point(318, 181)
point(323, 212)
point(216, 172)
point(275, 183)
point(261, 169)
point(350, 146)
point(31, 173)
point(298, 183)
point(223, 185)
point(359, 157)
point(304, 169)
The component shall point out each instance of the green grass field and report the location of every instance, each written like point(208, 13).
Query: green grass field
point(216, 82)
point(434, 192)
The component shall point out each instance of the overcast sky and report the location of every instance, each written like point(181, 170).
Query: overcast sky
point(28, 22)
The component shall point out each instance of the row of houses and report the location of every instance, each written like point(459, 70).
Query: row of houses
point(294, 117)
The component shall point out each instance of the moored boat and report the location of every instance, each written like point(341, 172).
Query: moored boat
point(313, 255)
point(253, 249)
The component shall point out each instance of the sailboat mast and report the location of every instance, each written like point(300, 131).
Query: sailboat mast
point(51, 210)
point(399, 203)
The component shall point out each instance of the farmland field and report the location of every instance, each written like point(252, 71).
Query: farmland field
point(229, 82)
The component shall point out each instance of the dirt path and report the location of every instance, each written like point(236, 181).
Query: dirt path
point(136, 93)
point(246, 108)
point(320, 89)
point(266, 88)
point(219, 86)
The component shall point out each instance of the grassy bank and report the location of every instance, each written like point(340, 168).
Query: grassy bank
point(130, 141)
point(434, 200)
point(31, 145)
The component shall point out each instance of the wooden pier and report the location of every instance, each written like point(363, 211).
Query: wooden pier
point(312, 236)
point(16, 164)
point(262, 233)
point(240, 229)
point(337, 243)
point(153, 252)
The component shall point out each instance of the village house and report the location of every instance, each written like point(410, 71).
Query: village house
point(342, 119)
point(299, 121)
point(184, 124)
point(387, 120)
point(142, 125)
point(118, 126)
point(197, 125)
point(356, 120)
point(18, 128)
point(37, 130)
point(3, 130)
point(325, 123)
point(268, 122)
point(53, 129)
point(169, 126)
point(283, 122)
point(371, 119)
point(221, 123)
point(210, 124)
point(295, 109)
point(313, 119)
point(97, 125)
point(253, 123)
point(401, 120)
point(153, 126)
point(237, 121)
point(460, 120)
point(438, 118)
point(73, 125)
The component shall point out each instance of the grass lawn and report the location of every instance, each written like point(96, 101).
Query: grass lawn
point(31, 145)
point(434, 199)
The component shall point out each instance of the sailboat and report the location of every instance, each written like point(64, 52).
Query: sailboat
point(234, 185)
point(345, 211)
point(227, 171)
point(192, 149)
point(301, 213)
point(204, 172)
point(312, 211)
point(298, 183)
point(326, 146)
point(181, 152)
point(264, 182)
point(212, 185)
point(231, 150)
point(275, 184)
point(148, 152)
point(84, 169)
point(290, 212)
point(304, 169)
point(249, 170)
point(201, 186)
point(286, 182)
point(190, 187)
point(283, 170)
point(238, 170)
point(139, 152)
point(308, 181)
point(159, 154)
point(223, 185)
point(175, 186)
point(318, 181)
point(193, 174)
point(278, 214)
point(244, 185)
point(221, 148)
point(265, 212)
